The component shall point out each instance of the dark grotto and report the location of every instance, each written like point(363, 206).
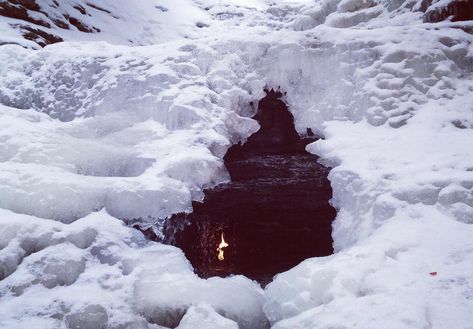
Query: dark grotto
point(273, 214)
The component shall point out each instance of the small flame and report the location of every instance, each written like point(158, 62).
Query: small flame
point(222, 245)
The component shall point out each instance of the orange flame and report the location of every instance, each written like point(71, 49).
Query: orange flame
point(222, 245)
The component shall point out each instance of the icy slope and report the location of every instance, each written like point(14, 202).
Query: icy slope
point(135, 133)
point(135, 123)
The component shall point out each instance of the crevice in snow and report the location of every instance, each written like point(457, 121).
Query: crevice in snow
point(275, 211)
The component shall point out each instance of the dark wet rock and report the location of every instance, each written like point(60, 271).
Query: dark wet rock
point(457, 10)
point(39, 36)
point(80, 9)
point(147, 231)
point(79, 25)
point(274, 213)
point(20, 9)
point(91, 5)
point(277, 134)
point(33, 20)
point(23, 11)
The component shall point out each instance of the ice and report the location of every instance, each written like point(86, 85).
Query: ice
point(89, 166)
point(99, 130)
point(236, 298)
point(204, 317)
point(97, 272)
point(118, 22)
point(91, 317)
point(385, 176)
point(162, 139)
point(379, 284)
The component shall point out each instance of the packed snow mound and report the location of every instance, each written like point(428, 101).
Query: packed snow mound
point(138, 132)
point(98, 273)
point(403, 282)
point(39, 22)
point(204, 317)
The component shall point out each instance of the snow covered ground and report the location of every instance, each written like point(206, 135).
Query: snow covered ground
point(131, 123)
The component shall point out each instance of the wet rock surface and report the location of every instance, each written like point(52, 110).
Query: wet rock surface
point(458, 10)
point(274, 213)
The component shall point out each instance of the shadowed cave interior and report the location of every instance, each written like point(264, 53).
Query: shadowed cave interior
point(273, 214)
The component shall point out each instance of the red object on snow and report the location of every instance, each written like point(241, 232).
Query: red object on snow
point(433, 273)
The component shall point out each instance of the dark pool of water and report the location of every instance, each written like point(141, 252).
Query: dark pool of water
point(274, 213)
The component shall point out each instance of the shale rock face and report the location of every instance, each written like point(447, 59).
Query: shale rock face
point(274, 213)
point(457, 10)
point(277, 134)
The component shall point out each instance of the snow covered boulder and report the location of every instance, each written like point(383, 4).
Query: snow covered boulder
point(163, 297)
point(204, 317)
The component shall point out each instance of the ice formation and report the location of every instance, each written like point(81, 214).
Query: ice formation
point(96, 131)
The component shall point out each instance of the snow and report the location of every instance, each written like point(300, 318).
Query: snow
point(121, 22)
point(107, 276)
point(98, 130)
point(390, 284)
point(204, 317)
point(74, 161)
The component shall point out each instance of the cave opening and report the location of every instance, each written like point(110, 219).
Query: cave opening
point(273, 214)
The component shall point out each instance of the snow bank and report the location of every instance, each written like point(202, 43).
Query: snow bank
point(140, 139)
point(204, 317)
point(98, 273)
point(409, 274)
